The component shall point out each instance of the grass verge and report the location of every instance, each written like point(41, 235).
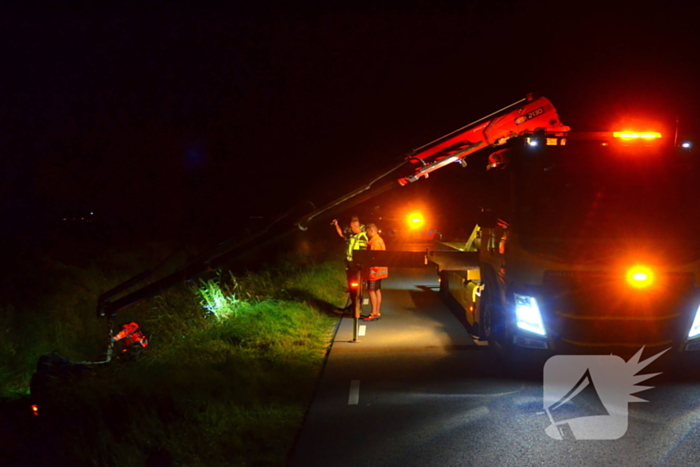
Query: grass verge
point(231, 368)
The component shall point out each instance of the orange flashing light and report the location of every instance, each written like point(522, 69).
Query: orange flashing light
point(354, 284)
point(35, 410)
point(415, 220)
point(637, 135)
point(640, 277)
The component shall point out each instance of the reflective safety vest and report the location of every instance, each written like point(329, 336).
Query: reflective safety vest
point(377, 272)
point(132, 335)
point(355, 242)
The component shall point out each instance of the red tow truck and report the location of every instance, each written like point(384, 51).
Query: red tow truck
point(587, 242)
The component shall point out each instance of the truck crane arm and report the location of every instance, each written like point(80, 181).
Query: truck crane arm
point(526, 116)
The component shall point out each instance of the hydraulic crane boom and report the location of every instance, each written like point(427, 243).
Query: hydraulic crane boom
point(523, 117)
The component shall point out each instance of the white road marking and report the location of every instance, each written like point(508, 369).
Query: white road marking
point(354, 396)
point(363, 329)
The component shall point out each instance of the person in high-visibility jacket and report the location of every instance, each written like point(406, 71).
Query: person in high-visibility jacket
point(375, 274)
point(356, 239)
point(134, 339)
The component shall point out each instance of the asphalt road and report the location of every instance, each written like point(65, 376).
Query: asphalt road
point(417, 391)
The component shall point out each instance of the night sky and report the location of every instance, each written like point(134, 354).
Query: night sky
point(196, 117)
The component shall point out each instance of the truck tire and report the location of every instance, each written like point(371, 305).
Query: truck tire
point(444, 285)
point(492, 323)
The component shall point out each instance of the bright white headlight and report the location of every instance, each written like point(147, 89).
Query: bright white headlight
point(528, 317)
point(695, 328)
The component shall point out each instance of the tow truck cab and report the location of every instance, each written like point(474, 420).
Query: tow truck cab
point(588, 242)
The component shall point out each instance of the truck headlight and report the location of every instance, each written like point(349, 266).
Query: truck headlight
point(695, 328)
point(528, 316)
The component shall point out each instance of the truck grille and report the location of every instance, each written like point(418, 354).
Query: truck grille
point(597, 308)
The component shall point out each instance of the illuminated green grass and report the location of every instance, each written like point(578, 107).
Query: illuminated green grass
point(226, 381)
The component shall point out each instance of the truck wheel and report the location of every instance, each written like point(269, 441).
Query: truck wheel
point(492, 324)
point(444, 285)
